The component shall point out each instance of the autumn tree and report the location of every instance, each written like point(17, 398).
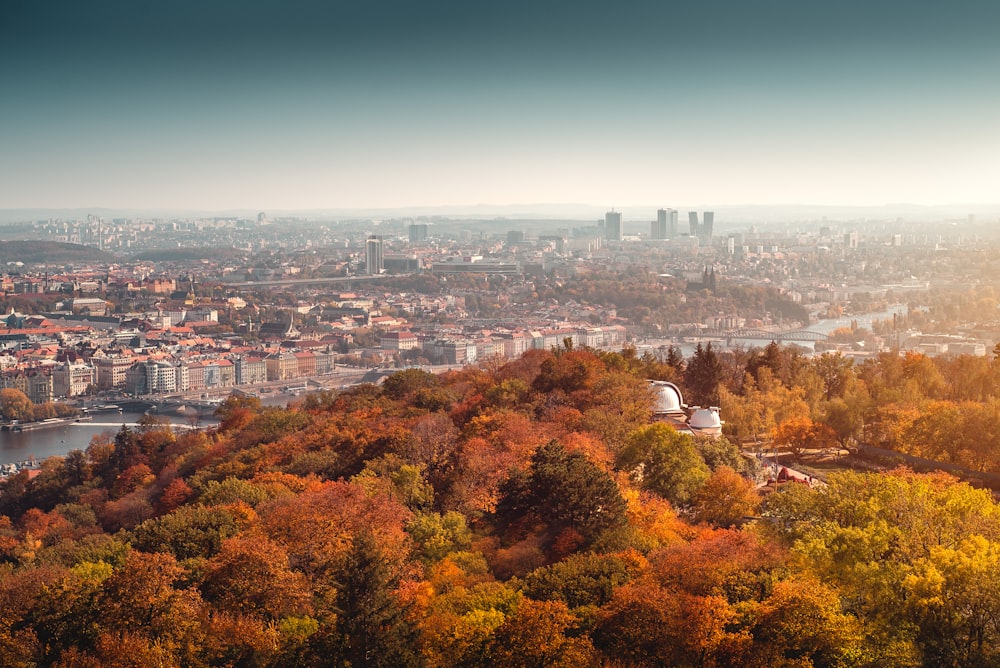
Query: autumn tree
point(725, 499)
point(251, 575)
point(665, 462)
point(15, 405)
point(799, 434)
point(540, 634)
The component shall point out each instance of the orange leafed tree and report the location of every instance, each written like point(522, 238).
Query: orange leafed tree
point(799, 434)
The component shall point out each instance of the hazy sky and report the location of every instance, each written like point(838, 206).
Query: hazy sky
point(295, 104)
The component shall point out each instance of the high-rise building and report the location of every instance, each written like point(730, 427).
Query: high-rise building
point(665, 226)
point(658, 227)
point(373, 255)
point(418, 232)
point(693, 223)
point(705, 231)
point(613, 226)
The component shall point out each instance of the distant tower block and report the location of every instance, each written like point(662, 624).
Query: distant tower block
point(374, 263)
point(665, 226)
point(693, 222)
point(658, 228)
point(613, 226)
point(418, 232)
point(705, 232)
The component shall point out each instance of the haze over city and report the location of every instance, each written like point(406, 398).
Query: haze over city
point(313, 105)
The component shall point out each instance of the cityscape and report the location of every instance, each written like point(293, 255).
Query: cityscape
point(443, 334)
point(151, 307)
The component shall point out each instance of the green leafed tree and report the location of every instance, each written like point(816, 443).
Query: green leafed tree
point(565, 490)
point(664, 462)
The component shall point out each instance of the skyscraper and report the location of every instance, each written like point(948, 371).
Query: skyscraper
point(373, 255)
point(705, 231)
point(613, 226)
point(658, 228)
point(693, 222)
point(665, 226)
point(418, 232)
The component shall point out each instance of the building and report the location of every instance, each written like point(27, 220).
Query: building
point(702, 231)
point(36, 384)
point(279, 331)
point(613, 226)
point(152, 377)
point(658, 228)
point(89, 305)
point(693, 223)
point(72, 380)
point(418, 232)
point(373, 255)
point(110, 371)
point(196, 376)
point(250, 370)
point(281, 366)
point(399, 341)
point(707, 225)
point(665, 226)
point(475, 265)
point(306, 363)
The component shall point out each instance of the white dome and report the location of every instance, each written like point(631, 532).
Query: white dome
point(705, 418)
point(668, 397)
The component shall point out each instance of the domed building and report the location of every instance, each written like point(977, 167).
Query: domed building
point(705, 421)
point(669, 407)
point(668, 398)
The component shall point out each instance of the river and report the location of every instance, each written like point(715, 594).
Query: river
point(17, 446)
point(820, 326)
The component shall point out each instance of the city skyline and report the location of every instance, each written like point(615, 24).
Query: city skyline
point(322, 105)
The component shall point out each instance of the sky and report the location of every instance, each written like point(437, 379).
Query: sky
point(324, 104)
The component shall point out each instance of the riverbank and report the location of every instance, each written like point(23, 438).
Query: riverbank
point(47, 423)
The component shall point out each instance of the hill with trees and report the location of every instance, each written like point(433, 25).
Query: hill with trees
point(51, 252)
point(528, 513)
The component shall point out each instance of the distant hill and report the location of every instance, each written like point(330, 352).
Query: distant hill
point(186, 254)
point(51, 252)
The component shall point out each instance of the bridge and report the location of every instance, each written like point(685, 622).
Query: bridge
point(308, 281)
point(793, 335)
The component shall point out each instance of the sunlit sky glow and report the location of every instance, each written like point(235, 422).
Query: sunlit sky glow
point(324, 104)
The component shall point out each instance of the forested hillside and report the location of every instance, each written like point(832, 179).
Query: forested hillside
point(519, 514)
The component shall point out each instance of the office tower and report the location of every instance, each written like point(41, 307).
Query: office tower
point(658, 228)
point(373, 255)
point(705, 230)
point(418, 232)
point(851, 240)
point(613, 226)
point(671, 223)
point(693, 222)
